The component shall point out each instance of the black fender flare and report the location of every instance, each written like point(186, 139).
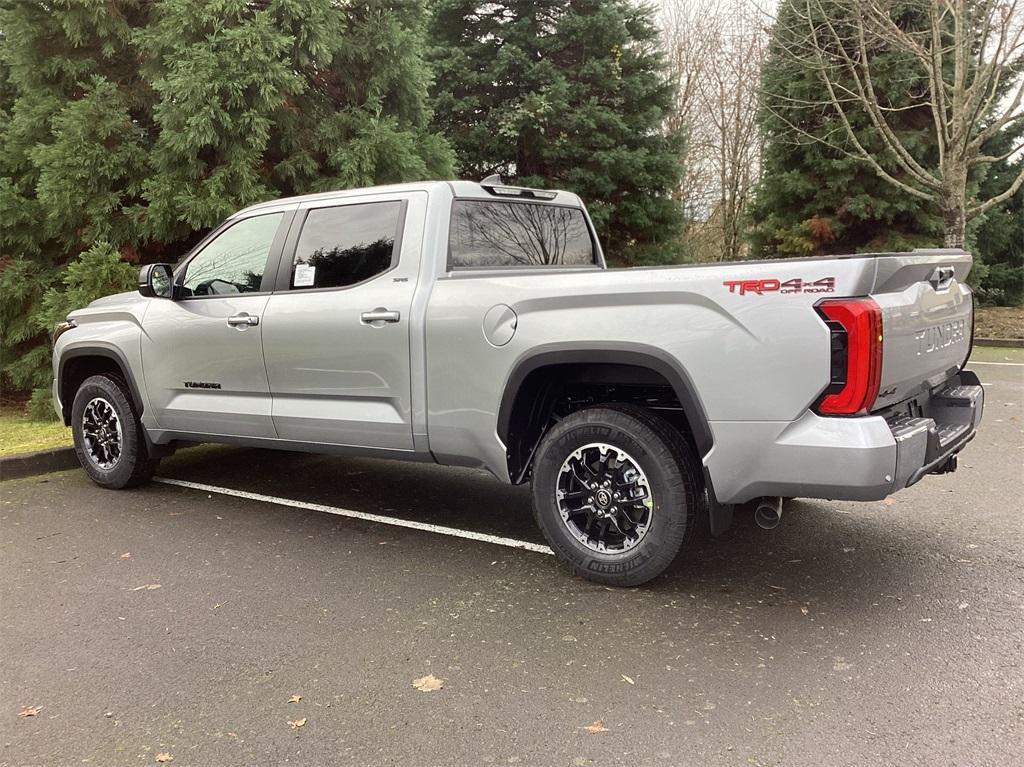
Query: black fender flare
point(637, 355)
point(109, 352)
point(115, 354)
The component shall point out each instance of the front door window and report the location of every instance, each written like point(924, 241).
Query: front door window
point(235, 261)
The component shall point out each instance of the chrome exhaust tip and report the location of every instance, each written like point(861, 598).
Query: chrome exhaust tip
point(768, 512)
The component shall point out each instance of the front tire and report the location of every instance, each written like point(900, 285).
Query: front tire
point(108, 435)
point(616, 492)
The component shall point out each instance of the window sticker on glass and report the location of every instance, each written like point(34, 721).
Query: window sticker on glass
point(305, 276)
point(345, 245)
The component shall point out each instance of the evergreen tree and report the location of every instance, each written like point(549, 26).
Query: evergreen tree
point(127, 127)
point(69, 149)
point(262, 99)
point(998, 240)
point(563, 93)
point(813, 199)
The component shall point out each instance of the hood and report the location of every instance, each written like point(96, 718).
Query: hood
point(130, 301)
point(118, 299)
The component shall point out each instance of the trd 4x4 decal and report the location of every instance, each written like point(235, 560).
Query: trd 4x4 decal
point(824, 285)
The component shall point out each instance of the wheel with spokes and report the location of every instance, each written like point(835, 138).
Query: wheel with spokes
point(604, 498)
point(616, 492)
point(108, 435)
point(102, 434)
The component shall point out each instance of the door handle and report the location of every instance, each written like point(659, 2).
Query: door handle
point(243, 320)
point(379, 316)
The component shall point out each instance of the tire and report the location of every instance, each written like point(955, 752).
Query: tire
point(111, 449)
point(665, 466)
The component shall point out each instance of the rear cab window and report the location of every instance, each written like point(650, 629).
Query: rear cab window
point(499, 234)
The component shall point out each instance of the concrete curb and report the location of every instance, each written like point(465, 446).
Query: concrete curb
point(1014, 343)
point(42, 462)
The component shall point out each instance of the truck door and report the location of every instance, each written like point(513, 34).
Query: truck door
point(202, 353)
point(336, 335)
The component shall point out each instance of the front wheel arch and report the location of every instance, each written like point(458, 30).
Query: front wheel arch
point(79, 363)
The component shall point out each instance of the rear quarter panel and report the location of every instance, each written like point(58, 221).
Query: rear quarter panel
point(750, 356)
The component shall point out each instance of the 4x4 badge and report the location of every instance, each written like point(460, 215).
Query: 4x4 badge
point(823, 285)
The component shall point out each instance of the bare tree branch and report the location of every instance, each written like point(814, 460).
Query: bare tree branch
point(977, 210)
point(970, 54)
point(717, 49)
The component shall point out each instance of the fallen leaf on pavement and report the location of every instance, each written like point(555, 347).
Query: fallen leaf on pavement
point(627, 679)
point(428, 683)
point(889, 501)
point(163, 757)
point(147, 587)
point(29, 710)
point(126, 555)
point(297, 723)
point(804, 610)
point(596, 727)
point(295, 699)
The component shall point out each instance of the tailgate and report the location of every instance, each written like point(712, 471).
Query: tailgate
point(927, 320)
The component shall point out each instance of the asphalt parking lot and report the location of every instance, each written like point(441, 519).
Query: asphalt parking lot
point(175, 622)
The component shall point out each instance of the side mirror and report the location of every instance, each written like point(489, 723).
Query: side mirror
point(156, 281)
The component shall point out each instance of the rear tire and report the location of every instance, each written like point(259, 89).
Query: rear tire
point(618, 541)
point(108, 435)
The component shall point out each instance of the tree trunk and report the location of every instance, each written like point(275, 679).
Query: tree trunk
point(955, 222)
point(954, 203)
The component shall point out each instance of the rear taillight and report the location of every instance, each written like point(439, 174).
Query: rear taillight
point(855, 326)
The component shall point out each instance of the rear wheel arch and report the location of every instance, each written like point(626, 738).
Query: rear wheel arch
point(537, 382)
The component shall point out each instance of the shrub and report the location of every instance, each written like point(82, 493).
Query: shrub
point(97, 272)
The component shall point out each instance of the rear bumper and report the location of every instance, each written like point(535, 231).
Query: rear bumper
point(853, 459)
point(928, 443)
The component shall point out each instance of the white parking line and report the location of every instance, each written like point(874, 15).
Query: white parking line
point(1005, 364)
point(498, 540)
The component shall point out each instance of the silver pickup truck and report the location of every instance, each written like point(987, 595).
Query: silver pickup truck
point(477, 325)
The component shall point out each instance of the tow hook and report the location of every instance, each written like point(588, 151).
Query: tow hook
point(948, 467)
point(768, 512)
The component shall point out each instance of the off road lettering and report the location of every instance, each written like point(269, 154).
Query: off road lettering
point(796, 285)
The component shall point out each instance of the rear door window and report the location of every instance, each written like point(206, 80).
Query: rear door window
point(346, 245)
point(500, 234)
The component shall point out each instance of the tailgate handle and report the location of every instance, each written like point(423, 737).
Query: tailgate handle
point(941, 277)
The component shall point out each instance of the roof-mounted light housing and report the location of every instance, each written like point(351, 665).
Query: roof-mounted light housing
point(493, 185)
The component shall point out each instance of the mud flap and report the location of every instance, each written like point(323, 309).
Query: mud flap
point(719, 515)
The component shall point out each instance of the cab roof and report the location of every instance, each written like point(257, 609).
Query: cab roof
point(459, 189)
